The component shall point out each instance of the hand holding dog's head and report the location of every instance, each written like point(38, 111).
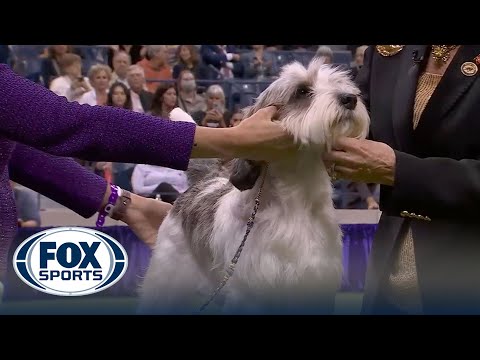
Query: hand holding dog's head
point(315, 105)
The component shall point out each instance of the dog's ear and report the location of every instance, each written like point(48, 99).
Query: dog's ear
point(244, 173)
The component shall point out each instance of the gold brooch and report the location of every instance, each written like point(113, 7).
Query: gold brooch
point(442, 52)
point(389, 50)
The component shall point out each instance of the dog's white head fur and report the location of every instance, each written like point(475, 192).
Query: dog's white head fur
point(316, 104)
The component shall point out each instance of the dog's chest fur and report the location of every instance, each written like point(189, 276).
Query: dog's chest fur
point(294, 236)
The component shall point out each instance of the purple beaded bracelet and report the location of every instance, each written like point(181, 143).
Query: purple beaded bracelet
point(107, 210)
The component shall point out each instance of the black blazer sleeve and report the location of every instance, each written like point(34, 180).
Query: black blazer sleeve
point(435, 187)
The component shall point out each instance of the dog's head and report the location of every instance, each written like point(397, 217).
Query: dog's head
point(315, 104)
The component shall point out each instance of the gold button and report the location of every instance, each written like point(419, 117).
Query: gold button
point(404, 213)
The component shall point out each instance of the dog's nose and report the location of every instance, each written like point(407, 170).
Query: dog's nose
point(348, 100)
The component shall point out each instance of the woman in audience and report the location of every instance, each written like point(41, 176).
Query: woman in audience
point(99, 76)
point(164, 101)
point(189, 100)
point(215, 114)
point(189, 58)
point(119, 96)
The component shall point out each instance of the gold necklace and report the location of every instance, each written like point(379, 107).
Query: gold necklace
point(442, 52)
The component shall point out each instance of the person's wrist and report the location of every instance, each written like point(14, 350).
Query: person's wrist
point(113, 195)
point(125, 203)
point(234, 145)
point(215, 142)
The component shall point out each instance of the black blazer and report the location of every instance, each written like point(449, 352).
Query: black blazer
point(437, 177)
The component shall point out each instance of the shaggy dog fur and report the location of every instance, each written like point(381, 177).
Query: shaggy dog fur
point(292, 259)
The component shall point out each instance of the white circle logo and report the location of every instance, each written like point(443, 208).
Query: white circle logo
point(70, 261)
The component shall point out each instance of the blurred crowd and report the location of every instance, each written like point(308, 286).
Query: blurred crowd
point(210, 82)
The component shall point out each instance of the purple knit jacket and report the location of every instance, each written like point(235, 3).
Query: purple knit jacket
point(40, 131)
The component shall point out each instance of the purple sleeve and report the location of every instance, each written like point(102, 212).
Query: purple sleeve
point(33, 115)
point(61, 179)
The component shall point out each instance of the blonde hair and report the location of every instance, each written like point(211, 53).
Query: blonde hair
point(97, 68)
point(216, 90)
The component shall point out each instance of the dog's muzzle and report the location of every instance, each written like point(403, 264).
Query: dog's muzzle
point(349, 101)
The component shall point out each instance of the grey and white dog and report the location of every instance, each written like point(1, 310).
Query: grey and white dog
point(292, 259)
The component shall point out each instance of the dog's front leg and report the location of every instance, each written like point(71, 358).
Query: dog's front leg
point(173, 283)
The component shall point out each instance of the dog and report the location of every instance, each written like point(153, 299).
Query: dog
point(291, 262)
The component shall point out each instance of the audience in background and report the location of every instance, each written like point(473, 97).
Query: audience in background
point(120, 63)
point(136, 52)
point(119, 96)
point(164, 101)
point(71, 84)
point(215, 113)
point(236, 118)
point(188, 98)
point(28, 207)
point(223, 59)
point(156, 66)
point(325, 53)
point(50, 65)
point(99, 76)
point(172, 54)
point(141, 98)
point(258, 63)
point(358, 60)
point(188, 58)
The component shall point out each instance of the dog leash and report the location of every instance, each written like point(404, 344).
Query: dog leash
point(233, 263)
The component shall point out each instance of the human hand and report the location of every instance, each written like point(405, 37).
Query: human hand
point(361, 160)
point(259, 138)
point(144, 216)
point(371, 203)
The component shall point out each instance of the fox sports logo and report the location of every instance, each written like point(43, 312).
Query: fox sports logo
point(70, 261)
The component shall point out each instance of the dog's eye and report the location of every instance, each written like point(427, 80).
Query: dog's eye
point(302, 92)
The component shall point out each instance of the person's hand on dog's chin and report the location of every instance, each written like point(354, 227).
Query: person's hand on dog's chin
point(259, 137)
point(144, 216)
point(362, 160)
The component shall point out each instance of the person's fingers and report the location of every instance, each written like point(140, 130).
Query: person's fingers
point(342, 172)
point(334, 156)
point(267, 113)
point(345, 143)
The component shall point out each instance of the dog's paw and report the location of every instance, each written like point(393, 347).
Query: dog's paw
point(178, 114)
